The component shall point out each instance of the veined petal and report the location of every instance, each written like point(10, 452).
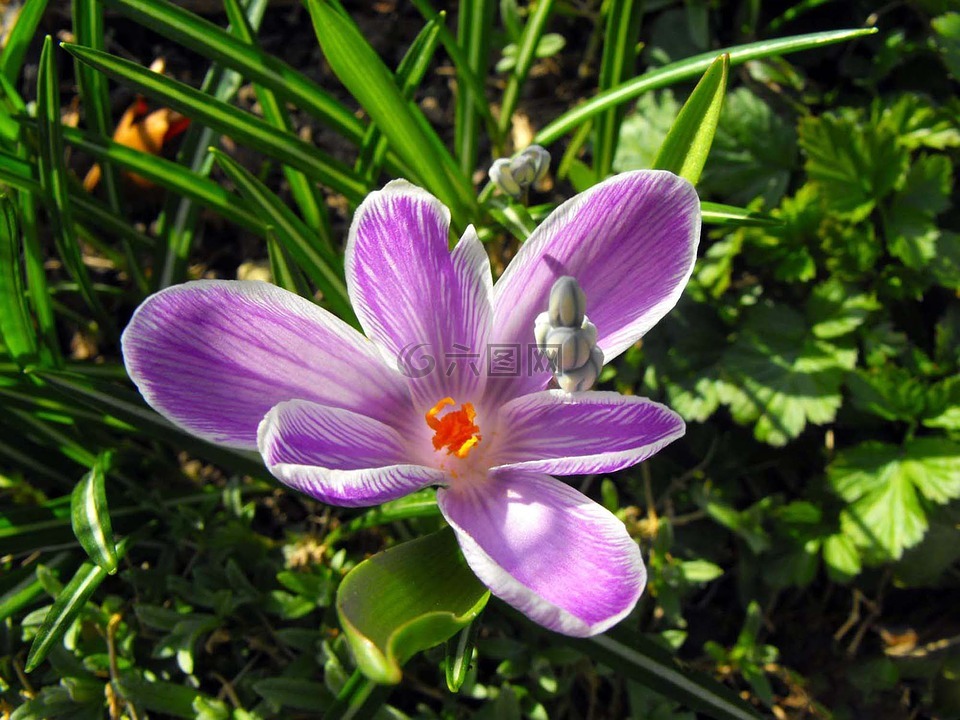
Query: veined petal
point(551, 552)
point(630, 241)
point(415, 298)
point(579, 433)
point(214, 356)
point(339, 457)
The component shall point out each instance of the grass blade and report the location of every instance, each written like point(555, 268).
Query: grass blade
point(66, 607)
point(229, 120)
point(90, 517)
point(410, 72)
point(285, 273)
point(363, 73)
point(685, 149)
point(526, 52)
point(36, 274)
point(53, 178)
point(15, 49)
point(475, 33)
point(689, 69)
point(215, 43)
point(720, 214)
point(617, 65)
point(323, 268)
point(304, 193)
point(16, 328)
point(180, 215)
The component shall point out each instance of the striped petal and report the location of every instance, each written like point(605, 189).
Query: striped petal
point(340, 457)
point(580, 433)
point(551, 552)
point(214, 356)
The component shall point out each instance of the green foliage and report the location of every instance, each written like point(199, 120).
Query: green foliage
point(815, 356)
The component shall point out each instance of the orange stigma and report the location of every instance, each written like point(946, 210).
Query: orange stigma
point(456, 430)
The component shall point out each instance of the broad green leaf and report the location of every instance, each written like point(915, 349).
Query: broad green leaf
point(685, 149)
point(688, 69)
point(363, 73)
point(910, 224)
point(947, 29)
point(889, 392)
point(856, 163)
point(835, 309)
point(66, 607)
point(841, 557)
point(754, 152)
point(526, 53)
point(227, 119)
point(317, 262)
point(780, 376)
point(20, 37)
point(886, 486)
point(90, 517)
point(943, 405)
point(16, 328)
point(407, 599)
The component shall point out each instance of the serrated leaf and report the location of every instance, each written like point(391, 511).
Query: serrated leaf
point(889, 392)
point(857, 163)
point(884, 485)
point(835, 309)
point(943, 405)
point(642, 133)
point(90, 517)
point(753, 153)
point(910, 225)
point(780, 376)
point(407, 599)
point(841, 557)
point(685, 149)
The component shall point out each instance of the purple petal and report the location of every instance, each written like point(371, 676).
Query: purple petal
point(214, 356)
point(428, 309)
point(579, 433)
point(340, 457)
point(551, 552)
point(630, 241)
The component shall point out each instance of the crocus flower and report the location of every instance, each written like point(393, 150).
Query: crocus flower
point(249, 365)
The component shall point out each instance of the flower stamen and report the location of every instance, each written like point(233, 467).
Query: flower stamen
point(456, 430)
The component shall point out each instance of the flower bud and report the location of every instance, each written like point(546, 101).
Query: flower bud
point(568, 338)
point(517, 174)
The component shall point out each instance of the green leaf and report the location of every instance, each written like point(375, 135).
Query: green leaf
point(780, 376)
point(947, 36)
point(640, 659)
point(460, 650)
point(475, 35)
point(754, 152)
point(16, 329)
point(685, 149)
point(856, 163)
point(841, 558)
point(889, 392)
point(910, 223)
point(53, 178)
point(685, 70)
point(90, 516)
point(363, 73)
point(835, 310)
point(294, 693)
point(886, 486)
point(317, 262)
point(730, 216)
point(172, 699)
point(526, 53)
point(407, 599)
point(20, 37)
point(943, 405)
point(237, 124)
point(215, 43)
point(66, 607)
point(618, 64)
point(643, 132)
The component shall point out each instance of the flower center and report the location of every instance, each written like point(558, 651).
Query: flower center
point(456, 430)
